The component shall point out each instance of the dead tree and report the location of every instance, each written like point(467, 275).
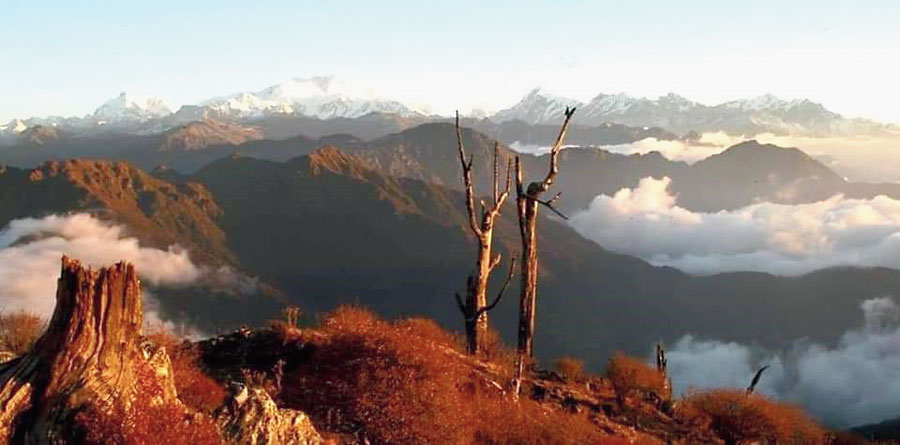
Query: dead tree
point(92, 354)
point(662, 364)
point(474, 306)
point(755, 380)
point(527, 200)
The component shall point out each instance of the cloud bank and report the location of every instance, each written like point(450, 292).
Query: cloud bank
point(776, 238)
point(31, 248)
point(853, 383)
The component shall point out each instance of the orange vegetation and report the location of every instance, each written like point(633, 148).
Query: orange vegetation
point(570, 368)
point(19, 330)
point(410, 382)
point(149, 419)
point(632, 377)
point(738, 417)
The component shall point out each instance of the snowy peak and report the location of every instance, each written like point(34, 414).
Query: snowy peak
point(763, 114)
point(323, 97)
point(538, 106)
point(14, 126)
point(129, 108)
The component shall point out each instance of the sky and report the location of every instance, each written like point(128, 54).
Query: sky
point(67, 58)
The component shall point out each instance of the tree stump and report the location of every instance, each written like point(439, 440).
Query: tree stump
point(91, 355)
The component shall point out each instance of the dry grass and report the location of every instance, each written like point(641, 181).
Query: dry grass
point(19, 330)
point(146, 420)
point(632, 377)
point(407, 382)
point(737, 417)
point(570, 368)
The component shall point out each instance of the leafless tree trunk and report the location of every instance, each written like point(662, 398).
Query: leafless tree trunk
point(475, 306)
point(527, 201)
point(92, 353)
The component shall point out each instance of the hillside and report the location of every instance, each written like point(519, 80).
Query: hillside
point(326, 229)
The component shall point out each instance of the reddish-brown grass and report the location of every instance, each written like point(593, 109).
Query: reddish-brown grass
point(19, 330)
point(149, 419)
point(409, 382)
point(737, 416)
point(570, 368)
point(632, 377)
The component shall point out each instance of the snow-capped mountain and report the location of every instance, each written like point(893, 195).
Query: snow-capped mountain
point(538, 106)
point(762, 114)
point(125, 108)
point(14, 126)
point(322, 97)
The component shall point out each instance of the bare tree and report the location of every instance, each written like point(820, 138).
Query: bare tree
point(475, 306)
point(527, 200)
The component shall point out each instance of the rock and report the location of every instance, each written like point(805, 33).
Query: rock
point(251, 417)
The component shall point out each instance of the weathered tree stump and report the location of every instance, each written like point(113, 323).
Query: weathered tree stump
point(92, 355)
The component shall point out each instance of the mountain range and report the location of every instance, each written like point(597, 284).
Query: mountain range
point(331, 227)
point(764, 114)
point(330, 97)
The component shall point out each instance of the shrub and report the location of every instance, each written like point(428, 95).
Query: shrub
point(737, 416)
point(146, 420)
point(409, 382)
point(19, 330)
point(631, 377)
point(570, 368)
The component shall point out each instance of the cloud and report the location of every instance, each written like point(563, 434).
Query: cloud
point(862, 158)
point(691, 151)
point(855, 382)
point(31, 248)
point(777, 238)
point(677, 150)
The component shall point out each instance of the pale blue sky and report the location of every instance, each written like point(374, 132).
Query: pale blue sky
point(68, 57)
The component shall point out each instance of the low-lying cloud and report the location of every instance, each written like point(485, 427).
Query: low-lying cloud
point(777, 238)
point(855, 382)
point(31, 248)
point(861, 158)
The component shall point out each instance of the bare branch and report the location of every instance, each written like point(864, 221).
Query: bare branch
point(554, 198)
point(554, 152)
point(496, 173)
point(467, 179)
point(512, 271)
point(459, 302)
point(496, 261)
point(549, 205)
point(509, 167)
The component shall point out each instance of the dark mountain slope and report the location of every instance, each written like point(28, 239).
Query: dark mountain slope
point(157, 213)
point(328, 230)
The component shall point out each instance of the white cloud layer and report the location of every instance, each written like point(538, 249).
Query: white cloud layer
point(855, 382)
point(777, 238)
point(858, 158)
point(31, 248)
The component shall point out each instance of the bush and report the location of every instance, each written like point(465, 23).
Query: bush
point(570, 368)
point(631, 377)
point(146, 420)
point(19, 330)
point(736, 416)
point(408, 382)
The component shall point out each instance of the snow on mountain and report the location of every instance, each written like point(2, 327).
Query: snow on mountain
point(14, 126)
point(322, 97)
point(763, 114)
point(538, 106)
point(126, 108)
